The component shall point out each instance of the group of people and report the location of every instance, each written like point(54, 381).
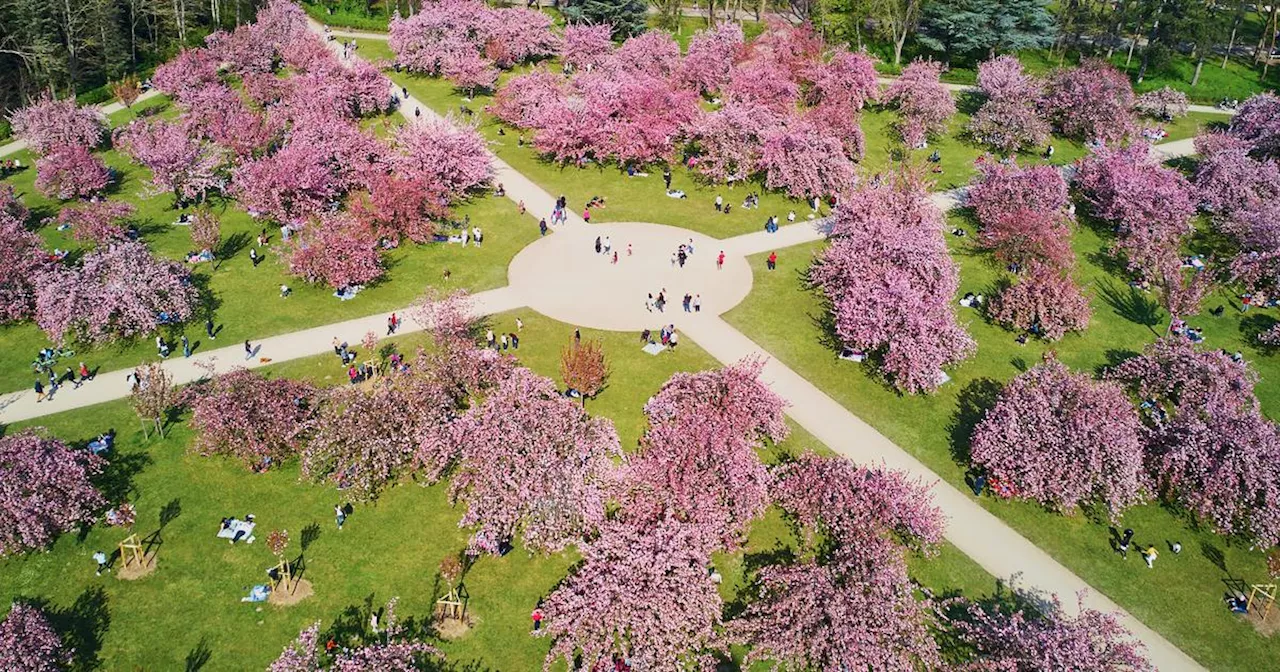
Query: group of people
point(1149, 552)
point(76, 377)
point(9, 166)
point(692, 303)
point(162, 347)
point(1179, 327)
point(667, 335)
point(682, 254)
point(509, 340)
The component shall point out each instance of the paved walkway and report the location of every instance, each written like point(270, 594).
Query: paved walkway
point(600, 293)
point(110, 108)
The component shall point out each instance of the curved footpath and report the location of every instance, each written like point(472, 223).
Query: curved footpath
point(614, 300)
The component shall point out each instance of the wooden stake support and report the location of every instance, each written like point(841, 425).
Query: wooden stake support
point(286, 575)
point(1261, 592)
point(131, 551)
point(451, 605)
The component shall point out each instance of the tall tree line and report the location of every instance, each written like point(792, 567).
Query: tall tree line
point(71, 46)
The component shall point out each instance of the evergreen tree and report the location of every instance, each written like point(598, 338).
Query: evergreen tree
point(978, 28)
point(627, 17)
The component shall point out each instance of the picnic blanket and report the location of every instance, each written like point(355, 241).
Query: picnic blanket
point(229, 532)
point(654, 348)
point(258, 593)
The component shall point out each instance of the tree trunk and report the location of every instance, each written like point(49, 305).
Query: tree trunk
point(1133, 42)
point(897, 49)
point(1195, 79)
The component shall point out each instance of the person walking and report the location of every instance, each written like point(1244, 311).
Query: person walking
point(70, 377)
point(208, 329)
point(254, 256)
point(186, 346)
point(542, 226)
point(586, 215)
point(489, 337)
point(599, 246)
point(773, 261)
point(162, 348)
point(666, 178)
point(339, 515)
point(719, 203)
point(1123, 545)
point(697, 303)
point(84, 374)
point(39, 388)
point(393, 323)
point(505, 343)
point(248, 350)
point(720, 261)
point(101, 558)
point(615, 257)
point(628, 249)
point(519, 324)
point(515, 341)
point(1150, 556)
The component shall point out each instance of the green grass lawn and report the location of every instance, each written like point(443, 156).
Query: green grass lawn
point(1182, 597)
point(245, 300)
point(392, 548)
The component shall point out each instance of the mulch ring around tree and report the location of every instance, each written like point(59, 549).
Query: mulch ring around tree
point(136, 570)
point(281, 597)
point(454, 628)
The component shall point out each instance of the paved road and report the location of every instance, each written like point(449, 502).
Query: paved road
point(604, 298)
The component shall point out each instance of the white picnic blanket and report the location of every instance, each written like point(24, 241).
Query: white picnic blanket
point(654, 348)
point(229, 532)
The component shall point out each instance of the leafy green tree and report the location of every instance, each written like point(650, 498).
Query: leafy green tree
point(626, 16)
point(972, 28)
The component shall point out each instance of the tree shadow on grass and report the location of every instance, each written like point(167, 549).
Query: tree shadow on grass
point(971, 407)
point(198, 657)
point(116, 480)
point(1131, 304)
point(1113, 357)
point(232, 245)
point(1255, 325)
point(82, 626)
point(752, 563)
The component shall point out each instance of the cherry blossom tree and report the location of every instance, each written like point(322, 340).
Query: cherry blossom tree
point(46, 489)
point(583, 368)
point(1209, 447)
point(654, 52)
point(470, 72)
point(21, 260)
point(523, 99)
point(191, 70)
point(1228, 180)
point(1023, 212)
point(153, 395)
point(1020, 636)
point(643, 594)
point(585, 45)
point(1165, 104)
point(96, 222)
point(803, 162)
point(847, 79)
point(389, 652)
point(763, 83)
point(519, 35)
point(891, 283)
point(127, 90)
point(444, 153)
point(698, 461)
point(1045, 301)
point(1150, 205)
point(923, 103)
point(1090, 102)
point(729, 141)
point(217, 113)
point(290, 186)
point(119, 292)
point(1258, 123)
point(250, 417)
point(449, 29)
point(533, 463)
point(71, 171)
point(710, 57)
point(338, 250)
point(178, 162)
point(1008, 121)
point(206, 230)
point(49, 124)
point(28, 642)
point(398, 208)
point(847, 602)
point(1064, 440)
